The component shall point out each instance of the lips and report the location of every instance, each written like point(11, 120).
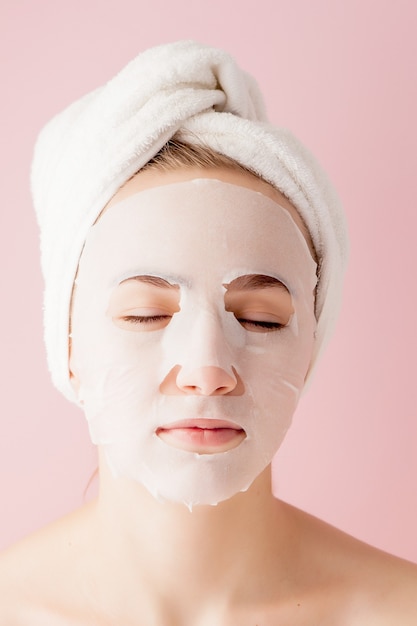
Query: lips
point(202, 435)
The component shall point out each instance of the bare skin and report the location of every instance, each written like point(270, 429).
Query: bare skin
point(126, 559)
point(252, 560)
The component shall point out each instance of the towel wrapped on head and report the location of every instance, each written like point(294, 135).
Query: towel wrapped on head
point(196, 92)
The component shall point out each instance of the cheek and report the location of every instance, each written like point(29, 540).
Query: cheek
point(114, 369)
point(283, 359)
point(274, 382)
point(117, 401)
point(119, 389)
point(274, 378)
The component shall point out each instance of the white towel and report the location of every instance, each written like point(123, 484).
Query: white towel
point(88, 151)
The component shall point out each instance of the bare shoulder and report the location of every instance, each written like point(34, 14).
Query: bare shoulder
point(368, 586)
point(37, 574)
point(388, 589)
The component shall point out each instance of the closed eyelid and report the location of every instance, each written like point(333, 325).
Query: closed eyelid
point(263, 303)
point(256, 290)
point(259, 298)
point(144, 292)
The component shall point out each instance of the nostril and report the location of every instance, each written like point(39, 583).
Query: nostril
point(223, 389)
point(206, 381)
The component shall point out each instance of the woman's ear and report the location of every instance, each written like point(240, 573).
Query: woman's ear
point(75, 382)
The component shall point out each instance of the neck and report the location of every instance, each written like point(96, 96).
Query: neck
point(212, 554)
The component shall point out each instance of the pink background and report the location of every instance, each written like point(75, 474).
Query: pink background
point(342, 76)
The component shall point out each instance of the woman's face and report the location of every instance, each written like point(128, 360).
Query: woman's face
point(192, 331)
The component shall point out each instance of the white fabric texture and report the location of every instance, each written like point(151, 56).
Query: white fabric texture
point(84, 154)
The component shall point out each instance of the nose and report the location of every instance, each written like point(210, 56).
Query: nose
point(209, 380)
point(205, 363)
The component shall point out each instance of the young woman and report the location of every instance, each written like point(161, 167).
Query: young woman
point(192, 257)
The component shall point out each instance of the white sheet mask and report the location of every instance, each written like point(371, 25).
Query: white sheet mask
point(201, 361)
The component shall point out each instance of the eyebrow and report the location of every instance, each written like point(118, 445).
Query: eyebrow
point(155, 281)
point(252, 282)
point(249, 282)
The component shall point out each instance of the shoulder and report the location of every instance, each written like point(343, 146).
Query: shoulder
point(37, 575)
point(365, 585)
point(386, 590)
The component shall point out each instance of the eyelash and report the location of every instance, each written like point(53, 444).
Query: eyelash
point(258, 324)
point(145, 319)
point(139, 319)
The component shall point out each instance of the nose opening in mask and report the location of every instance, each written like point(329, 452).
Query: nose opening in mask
point(209, 380)
point(198, 355)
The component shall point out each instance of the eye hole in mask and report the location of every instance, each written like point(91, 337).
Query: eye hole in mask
point(147, 303)
point(144, 303)
point(259, 303)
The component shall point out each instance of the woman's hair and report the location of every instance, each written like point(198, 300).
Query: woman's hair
point(177, 153)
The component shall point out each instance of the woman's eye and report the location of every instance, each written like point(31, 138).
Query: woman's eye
point(145, 319)
point(143, 322)
point(259, 326)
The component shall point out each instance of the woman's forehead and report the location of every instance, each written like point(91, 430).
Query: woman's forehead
point(198, 230)
point(152, 177)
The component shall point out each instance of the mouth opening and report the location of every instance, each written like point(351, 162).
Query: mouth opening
point(202, 436)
